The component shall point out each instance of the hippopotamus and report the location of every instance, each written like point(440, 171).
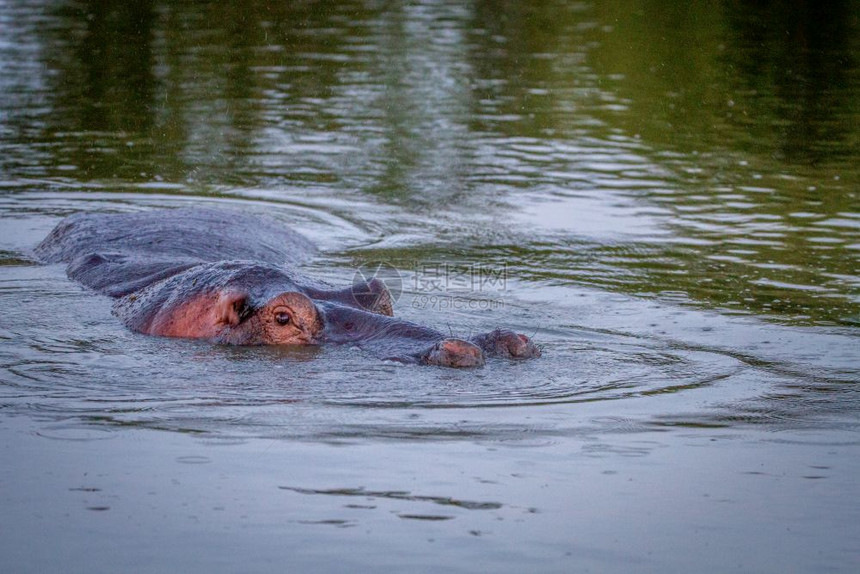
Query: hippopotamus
point(229, 277)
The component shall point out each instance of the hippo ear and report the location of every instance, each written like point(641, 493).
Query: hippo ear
point(232, 308)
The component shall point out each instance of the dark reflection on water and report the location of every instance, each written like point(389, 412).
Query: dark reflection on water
point(705, 152)
point(804, 75)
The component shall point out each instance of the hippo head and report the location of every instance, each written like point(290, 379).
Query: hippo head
point(293, 318)
point(246, 304)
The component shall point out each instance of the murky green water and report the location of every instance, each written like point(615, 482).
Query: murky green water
point(671, 194)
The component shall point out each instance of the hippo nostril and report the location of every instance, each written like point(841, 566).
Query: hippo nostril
point(505, 343)
point(455, 353)
point(517, 345)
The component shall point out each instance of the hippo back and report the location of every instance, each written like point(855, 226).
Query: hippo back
point(182, 234)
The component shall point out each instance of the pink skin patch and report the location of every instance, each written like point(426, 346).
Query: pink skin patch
point(287, 319)
point(203, 317)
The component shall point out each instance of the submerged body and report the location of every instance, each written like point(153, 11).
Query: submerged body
point(227, 277)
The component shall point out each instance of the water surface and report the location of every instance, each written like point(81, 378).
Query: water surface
point(665, 197)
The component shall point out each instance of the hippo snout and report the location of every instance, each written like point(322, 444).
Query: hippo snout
point(396, 339)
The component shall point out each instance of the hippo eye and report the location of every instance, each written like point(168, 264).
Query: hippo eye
point(283, 318)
